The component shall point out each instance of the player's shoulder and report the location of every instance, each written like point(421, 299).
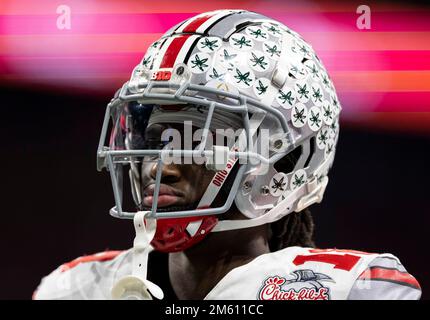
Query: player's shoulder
point(85, 277)
point(371, 275)
point(298, 273)
point(385, 278)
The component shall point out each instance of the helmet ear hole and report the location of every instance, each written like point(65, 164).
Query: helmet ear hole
point(289, 161)
point(311, 151)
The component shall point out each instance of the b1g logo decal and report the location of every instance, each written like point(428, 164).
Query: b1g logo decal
point(300, 285)
point(161, 75)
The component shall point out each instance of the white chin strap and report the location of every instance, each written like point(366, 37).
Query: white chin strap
point(297, 200)
point(136, 286)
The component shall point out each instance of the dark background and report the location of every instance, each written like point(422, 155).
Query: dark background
point(55, 203)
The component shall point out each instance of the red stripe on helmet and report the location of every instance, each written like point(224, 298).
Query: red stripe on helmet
point(172, 51)
point(195, 24)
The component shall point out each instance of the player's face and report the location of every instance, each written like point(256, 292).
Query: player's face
point(182, 185)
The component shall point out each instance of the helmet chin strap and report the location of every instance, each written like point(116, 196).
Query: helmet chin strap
point(136, 286)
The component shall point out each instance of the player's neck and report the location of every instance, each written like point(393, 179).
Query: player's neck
point(196, 271)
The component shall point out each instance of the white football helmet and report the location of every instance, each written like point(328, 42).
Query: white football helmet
point(227, 69)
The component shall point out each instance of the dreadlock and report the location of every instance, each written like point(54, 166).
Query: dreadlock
point(296, 228)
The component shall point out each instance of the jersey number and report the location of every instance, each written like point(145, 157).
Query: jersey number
point(341, 261)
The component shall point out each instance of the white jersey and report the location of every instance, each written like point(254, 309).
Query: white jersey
point(293, 273)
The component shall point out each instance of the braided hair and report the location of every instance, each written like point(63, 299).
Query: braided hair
point(296, 228)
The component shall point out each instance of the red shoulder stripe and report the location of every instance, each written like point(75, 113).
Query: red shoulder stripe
point(102, 256)
point(378, 273)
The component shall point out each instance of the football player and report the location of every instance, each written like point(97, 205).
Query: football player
point(222, 139)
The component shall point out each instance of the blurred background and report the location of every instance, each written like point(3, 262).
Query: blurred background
point(56, 76)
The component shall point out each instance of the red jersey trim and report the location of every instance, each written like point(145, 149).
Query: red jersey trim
point(392, 275)
point(102, 256)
